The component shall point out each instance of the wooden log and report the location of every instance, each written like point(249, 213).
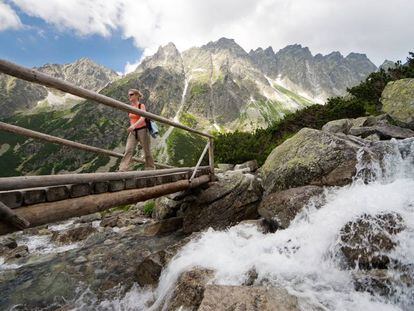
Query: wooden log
point(44, 213)
point(21, 182)
point(11, 219)
point(65, 142)
point(46, 80)
point(211, 157)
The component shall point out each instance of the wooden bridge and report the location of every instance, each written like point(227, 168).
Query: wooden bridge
point(29, 201)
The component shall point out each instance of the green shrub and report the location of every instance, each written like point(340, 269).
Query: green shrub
point(149, 207)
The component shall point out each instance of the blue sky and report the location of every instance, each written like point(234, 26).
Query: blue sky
point(38, 43)
point(117, 33)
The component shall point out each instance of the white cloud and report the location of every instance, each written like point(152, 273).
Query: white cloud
point(8, 18)
point(130, 67)
point(381, 29)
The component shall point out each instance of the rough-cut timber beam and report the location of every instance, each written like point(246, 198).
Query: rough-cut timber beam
point(46, 80)
point(44, 213)
point(21, 182)
point(57, 140)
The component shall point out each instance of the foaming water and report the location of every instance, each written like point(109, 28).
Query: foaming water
point(306, 258)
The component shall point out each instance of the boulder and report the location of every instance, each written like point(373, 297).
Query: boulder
point(398, 101)
point(189, 290)
point(149, 270)
point(310, 157)
point(165, 208)
point(338, 126)
point(283, 206)
point(365, 242)
point(223, 298)
point(250, 166)
point(74, 234)
point(232, 198)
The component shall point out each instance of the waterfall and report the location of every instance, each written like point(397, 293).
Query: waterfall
point(163, 140)
point(305, 258)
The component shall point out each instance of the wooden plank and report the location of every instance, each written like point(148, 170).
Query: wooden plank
point(12, 199)
point(46, 80)
point(21, 182)
point(48, 212)
point(61, 141)
point(57, 193)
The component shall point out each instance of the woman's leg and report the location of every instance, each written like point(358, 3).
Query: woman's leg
point(129, 152)
point(145, 142)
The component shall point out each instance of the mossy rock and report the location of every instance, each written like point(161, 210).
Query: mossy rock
point(398, 100)
point(310, 157)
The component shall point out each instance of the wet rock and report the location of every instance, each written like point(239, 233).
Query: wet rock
point(164, 226)
point(9, 243)
point(283, 206)
point(398, 100)
point(19, 252)
point(149, 270)
point(252, 166)
point(90, 218)
point(338, 126)
point(223, 298)
point(231, 199)
point(189, 290)
point(367, 241)
point(310, 157)
point(74, 234)
point(377, 281)
point(110, 221)
point(263, 225)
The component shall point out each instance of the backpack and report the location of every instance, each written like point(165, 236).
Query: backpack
point(151, 126)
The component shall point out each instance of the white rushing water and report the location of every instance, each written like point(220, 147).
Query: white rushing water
point(305, 258)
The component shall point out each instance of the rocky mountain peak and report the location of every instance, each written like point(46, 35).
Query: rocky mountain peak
point(295, 50)
point(167, 56)
point(225, 44)
point(387, 64)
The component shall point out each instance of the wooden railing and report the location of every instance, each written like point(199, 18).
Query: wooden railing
point(135, 185)
point(35, 76)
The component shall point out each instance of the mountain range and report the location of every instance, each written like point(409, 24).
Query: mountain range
point(216, 87)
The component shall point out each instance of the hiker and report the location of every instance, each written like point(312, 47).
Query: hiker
point(138, 131)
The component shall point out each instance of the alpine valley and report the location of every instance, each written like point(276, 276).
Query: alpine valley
point(215, 87)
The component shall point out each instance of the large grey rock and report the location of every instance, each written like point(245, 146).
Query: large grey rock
point(283, 206)
point(338, 126)
point(310, 157)
point(72, 235)
point(238, 298)
point(149, 270)
point(398, 100)
point(383, 131)
point(366, 241)
point(231, 199)
point(189, 290)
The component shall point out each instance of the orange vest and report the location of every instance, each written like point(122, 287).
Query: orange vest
point(133, 118)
